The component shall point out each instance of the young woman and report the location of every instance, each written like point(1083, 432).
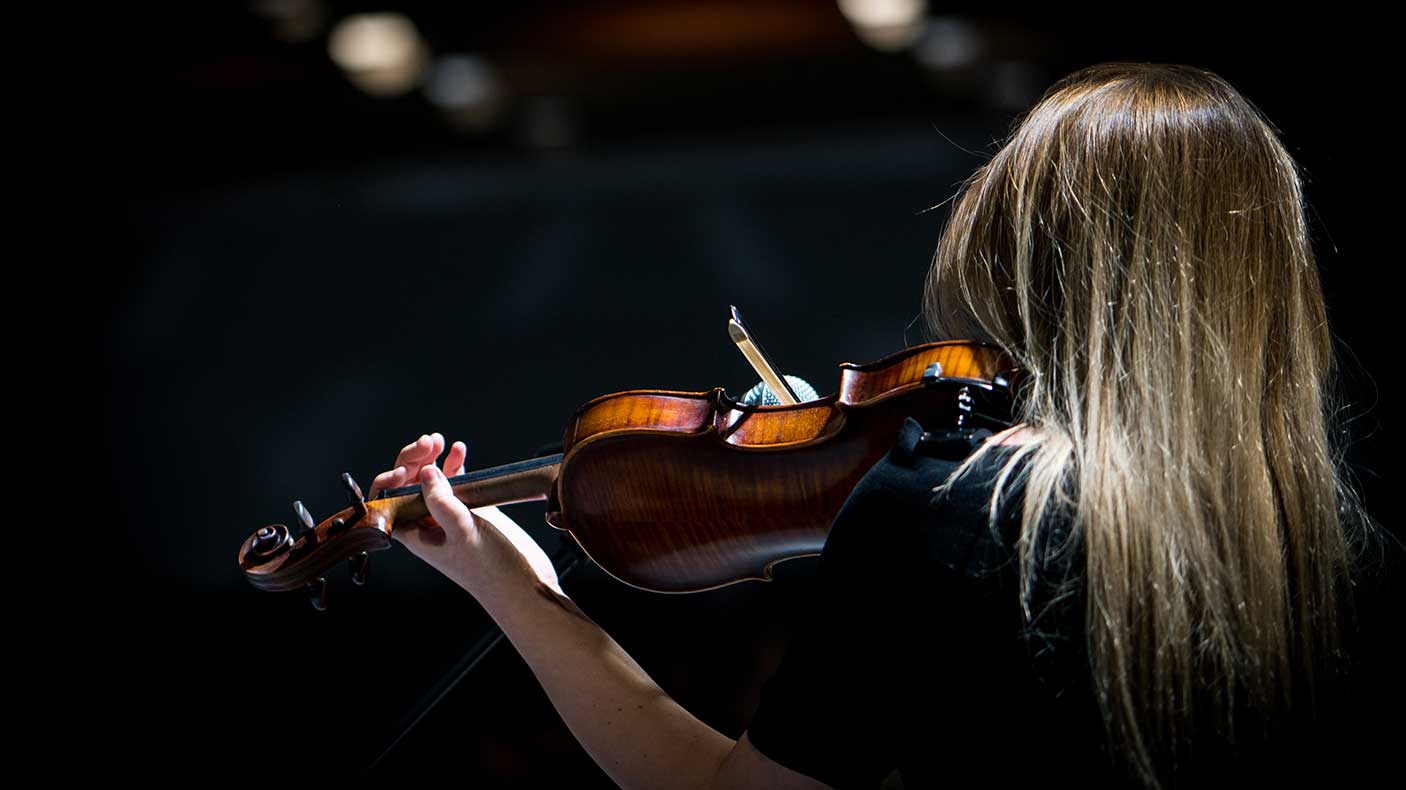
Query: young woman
point(1147, 581)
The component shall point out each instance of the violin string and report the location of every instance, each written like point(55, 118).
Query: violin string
point(480, 474)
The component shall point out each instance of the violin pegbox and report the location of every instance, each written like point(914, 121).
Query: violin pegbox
point(277, 558)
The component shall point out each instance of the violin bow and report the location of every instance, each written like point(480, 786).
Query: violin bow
point(758, 359)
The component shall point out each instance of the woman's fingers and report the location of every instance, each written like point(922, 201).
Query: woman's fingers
point(454, 462)
point(417, 455)
point(407, 465)
point(395, 478)
point(412, 450)
point(445, 508)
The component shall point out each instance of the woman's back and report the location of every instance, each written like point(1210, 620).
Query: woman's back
point(1140, 247)
point(919, 655)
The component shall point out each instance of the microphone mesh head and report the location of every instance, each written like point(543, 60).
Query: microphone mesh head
point(761, 395)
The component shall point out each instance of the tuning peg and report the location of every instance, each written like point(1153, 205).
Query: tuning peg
point(358, 502)
point(305, 519)
point(317, 593)
point(360, 565)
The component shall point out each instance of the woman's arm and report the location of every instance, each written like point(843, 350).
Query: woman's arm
point(633, 730)
point(637, 734)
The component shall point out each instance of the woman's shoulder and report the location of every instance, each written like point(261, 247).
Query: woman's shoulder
point(914, 498)
point(921, 460)
point(930, 468)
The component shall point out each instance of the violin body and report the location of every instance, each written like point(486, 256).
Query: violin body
point(681, 491)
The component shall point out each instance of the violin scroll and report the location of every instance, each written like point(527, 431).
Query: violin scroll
point(274, 558)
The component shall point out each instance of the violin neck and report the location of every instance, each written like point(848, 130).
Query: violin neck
point(520, 481)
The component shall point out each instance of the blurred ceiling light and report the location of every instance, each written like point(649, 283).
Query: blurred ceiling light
point(460, 81)
point(294, 21)
point(467, 90)
point(383, 54)
point(886, 24)
point(948, 43)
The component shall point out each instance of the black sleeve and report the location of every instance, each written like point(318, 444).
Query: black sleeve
point(834, 710)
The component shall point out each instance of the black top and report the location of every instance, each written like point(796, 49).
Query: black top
point(916, 655)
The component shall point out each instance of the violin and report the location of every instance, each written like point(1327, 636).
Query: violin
point(681, 491)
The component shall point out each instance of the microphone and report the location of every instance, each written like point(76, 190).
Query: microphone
point(761, 395)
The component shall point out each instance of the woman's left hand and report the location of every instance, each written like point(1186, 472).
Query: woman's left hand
point(482, 550)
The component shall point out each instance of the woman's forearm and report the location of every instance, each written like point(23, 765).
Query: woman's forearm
point(635, 732)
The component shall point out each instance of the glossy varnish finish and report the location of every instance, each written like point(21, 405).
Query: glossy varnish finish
point(719, 492)
point(680, 491)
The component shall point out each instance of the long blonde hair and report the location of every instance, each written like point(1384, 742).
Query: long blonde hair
point(1139, 246)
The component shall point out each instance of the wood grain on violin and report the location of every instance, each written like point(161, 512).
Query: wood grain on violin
point(685, 491)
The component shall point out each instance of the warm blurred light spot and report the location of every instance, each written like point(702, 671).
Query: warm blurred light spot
point(677, 30)
point(948, 43)
point(294, 21)
point(383, 54)
point(467, 91)
point(886, 24)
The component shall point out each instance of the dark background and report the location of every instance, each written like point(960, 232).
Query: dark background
point(311, 276)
